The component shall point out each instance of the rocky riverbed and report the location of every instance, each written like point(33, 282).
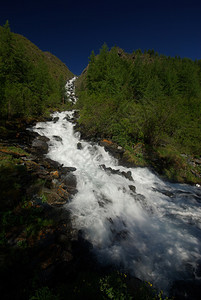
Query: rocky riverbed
point(38, 241)
point(38, 245)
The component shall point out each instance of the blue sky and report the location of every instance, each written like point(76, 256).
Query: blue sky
point(72, 29)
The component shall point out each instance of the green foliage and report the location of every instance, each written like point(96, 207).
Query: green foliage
point(142, 98)
point(30, 80)
point(114, 287)
point(44, 293)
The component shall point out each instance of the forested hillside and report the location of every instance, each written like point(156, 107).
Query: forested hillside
point(143, 98)
point(30, 80)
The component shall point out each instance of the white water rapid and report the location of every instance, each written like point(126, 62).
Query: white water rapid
point(147, 227)
point(70, 90)
point(153, 233)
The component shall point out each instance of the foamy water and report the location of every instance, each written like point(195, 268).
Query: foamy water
point(153, 233)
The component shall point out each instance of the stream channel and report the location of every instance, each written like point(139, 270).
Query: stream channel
point(147, 227)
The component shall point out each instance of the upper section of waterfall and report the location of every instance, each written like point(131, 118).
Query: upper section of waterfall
point(70, 90)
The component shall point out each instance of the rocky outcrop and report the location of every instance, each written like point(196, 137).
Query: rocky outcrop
point(114, 149)
point(39, 239)
point(40, 145)
point(127, 174)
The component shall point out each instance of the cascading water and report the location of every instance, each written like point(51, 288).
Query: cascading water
point(152, 231)
point(70, 90)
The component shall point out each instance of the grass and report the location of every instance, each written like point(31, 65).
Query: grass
point(167, 161)
point(177, 167)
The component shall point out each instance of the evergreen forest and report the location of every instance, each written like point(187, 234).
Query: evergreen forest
point(149, 104)
point(144, 99)
point(30, 81)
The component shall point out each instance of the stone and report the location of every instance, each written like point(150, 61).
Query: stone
point(132, 188)
point(62, 192)
point(54, 174)
point(70, 182)
point(57, 138)
point(127, 175)
point(40, 146)
point(43, 138)
point(53, 198)
point(54, 164)
point(56, 119)
point(79, 146)
point(112, 148)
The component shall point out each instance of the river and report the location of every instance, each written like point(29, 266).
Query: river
point(144, 225)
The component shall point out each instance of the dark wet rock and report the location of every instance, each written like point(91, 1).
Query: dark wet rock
point(70, 182)
point(57, 138)
point(71, 169)
point(43, 138)
point(76, 114)
point(56, 197)
point(56, 119)
point(54, 174)
point(127, 175)
point(112, 148)
point(40, 146)
point(53, 163)
point(110, 170)
point(65, 170)
point(132, 188)
point(164, 192)
point(48, 119)
point(79, 146)
point(67, 118)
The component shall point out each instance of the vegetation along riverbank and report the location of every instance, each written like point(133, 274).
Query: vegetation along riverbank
point(144, 107)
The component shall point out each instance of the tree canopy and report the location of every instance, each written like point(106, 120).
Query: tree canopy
point(143, 97)
point(27, 86)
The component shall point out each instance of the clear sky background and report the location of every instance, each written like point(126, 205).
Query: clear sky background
point(71, 29)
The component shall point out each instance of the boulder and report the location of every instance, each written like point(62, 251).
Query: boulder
point(65, 170)
point(40, 146)
point(57, 138)
point(79, 146)
point(127, 175)
point(132, 188)
point(53, 198)
point(112, 148)
point(70, 182)
point(56, 119)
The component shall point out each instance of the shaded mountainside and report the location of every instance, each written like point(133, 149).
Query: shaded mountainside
point(55, 66)
point(31, 81)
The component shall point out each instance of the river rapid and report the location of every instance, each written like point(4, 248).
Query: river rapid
point(135, 221)
point(143, 225)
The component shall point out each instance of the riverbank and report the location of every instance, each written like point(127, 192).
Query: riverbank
point(165, 160)
point(47, 255)
point(37, 241)
point(41, 253)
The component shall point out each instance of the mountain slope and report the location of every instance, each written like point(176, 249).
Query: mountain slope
point(148, 104)
point(55, 66)
point(31, 81)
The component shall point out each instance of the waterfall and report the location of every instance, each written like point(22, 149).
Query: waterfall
point(144, 225)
